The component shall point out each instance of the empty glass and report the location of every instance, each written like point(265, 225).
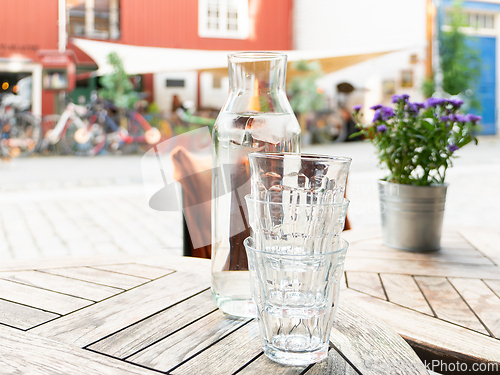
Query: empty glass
point(298, 178)
point(295, 228)
point(296, 297)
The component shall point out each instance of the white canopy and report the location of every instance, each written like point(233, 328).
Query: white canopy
point(142, 60)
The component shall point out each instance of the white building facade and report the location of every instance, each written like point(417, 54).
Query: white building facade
point(391, 25)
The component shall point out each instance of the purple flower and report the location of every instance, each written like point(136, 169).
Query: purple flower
point(357, 108)
point(382, 128)
point(434, 102)
point(452, 147)
point(460, 118)
point(387, 112)
point(456, 103)
point(413, 107)
point(473, 118)
point(419, 105)
point(444, 118)
point(397, 98)
point(376, 116)
point(452, 118)
point(375, 107)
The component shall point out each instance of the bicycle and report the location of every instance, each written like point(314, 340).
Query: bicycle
point(76, 131)
point(328, 127)
point(139, 133)
point(20, 131)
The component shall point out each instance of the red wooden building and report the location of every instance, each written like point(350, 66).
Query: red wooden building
point(35, 36)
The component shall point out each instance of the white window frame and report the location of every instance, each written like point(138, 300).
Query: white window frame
point(222, 32)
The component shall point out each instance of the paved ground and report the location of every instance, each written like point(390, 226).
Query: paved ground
point(68, 206)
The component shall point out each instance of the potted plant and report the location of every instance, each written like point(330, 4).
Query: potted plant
point(416, 143)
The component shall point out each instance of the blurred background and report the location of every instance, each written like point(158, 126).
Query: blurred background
point(136, 73)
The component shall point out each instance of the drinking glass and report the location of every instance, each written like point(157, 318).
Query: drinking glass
point(296, 228)
point(296, 297)
point(298, 178)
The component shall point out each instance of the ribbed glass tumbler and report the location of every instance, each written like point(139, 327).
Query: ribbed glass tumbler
point(298, 178)
point(296, 297)
point(296, 228)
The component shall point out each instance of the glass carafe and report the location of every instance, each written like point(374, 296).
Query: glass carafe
point(256, 117)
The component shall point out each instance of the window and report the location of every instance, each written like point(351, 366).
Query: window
point(94, 18)
point(217, 81)
point(175, 83)
point(475, 20)
point(223, 19)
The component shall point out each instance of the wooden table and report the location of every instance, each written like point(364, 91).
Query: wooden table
point(446, 304)
point(139, 315)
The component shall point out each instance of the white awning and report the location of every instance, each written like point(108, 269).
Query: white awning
point(142, 60)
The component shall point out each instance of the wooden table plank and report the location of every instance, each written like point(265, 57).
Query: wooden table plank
point(181, 264)
point(494, 285)
point(437, 336)
point(73, 287)
point(387, 355)
point(366, 282)
point(43, 263)
point(335, 364)
point(97, 276)
point(136, 269)
point(484, 303)
point(227, 355)
point(39, 298)
point(403, 290)
point(421, 268)
point(188, 342)
point(469, 256)
point(22, 317)
point(263, 365)
point(461, 247)
point(486, 241)
point(355, 236)
point(31, 354)
point(146, 332)
point(89, 325)
point(447, 303)
point(163, 261)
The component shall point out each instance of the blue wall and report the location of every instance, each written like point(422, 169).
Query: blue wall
point(487, 83)
point(486, 90)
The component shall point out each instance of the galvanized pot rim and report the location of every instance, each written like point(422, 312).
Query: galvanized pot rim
point(384, 182)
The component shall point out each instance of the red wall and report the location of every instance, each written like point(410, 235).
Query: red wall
point(174, 24)
point(27, 26)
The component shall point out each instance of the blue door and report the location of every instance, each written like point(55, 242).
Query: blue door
point(486, 92)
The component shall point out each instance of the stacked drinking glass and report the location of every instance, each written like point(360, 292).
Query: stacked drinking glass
point(297, 212)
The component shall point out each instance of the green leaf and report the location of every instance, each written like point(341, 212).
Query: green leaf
point(428, 125)
point(356, 134)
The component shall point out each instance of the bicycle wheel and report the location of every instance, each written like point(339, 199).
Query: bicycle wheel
point(329, 128)
point(83, 138)
point(46, 146)
point(161, 130)
point(21, 135)
point(135, 133)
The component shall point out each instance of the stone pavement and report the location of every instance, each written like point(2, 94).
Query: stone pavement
point(66, 206)
point(69, 206)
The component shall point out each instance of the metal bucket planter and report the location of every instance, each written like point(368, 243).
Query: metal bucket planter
point(412, 216)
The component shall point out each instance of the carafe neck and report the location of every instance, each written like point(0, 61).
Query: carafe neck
point(257, 78)
point(257, 71)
